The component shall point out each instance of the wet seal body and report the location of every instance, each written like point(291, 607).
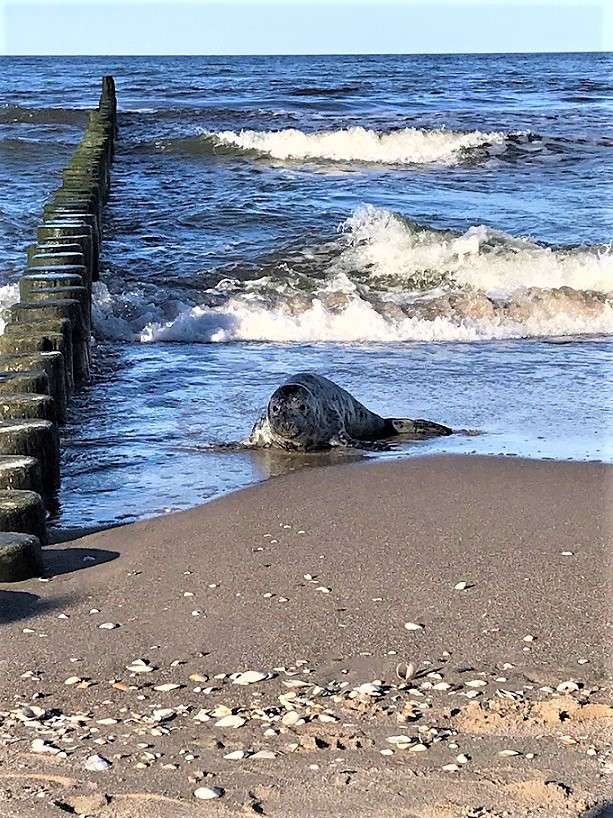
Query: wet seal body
point(310, 413)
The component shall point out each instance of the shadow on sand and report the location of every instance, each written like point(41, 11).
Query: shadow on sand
point(603, 811)
point(68, 560)
point(17, 605)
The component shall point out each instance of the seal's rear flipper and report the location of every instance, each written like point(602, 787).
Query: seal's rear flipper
point(417, 429)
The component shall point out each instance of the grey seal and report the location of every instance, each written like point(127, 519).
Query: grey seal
point(310, 413)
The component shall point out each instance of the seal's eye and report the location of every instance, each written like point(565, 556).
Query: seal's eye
point(302, 407)
point(275, 409)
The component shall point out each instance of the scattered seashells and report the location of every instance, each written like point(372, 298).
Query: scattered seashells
point(206, 793)
point(231, 721)
point(413, 626)
point(251, 677)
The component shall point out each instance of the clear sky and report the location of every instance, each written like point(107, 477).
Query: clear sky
point(303, 26)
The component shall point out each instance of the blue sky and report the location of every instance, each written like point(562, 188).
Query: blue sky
point(303, 26)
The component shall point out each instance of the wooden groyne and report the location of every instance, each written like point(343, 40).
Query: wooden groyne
point(45, 350)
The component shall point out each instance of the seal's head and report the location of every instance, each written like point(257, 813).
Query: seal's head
point(292, 414)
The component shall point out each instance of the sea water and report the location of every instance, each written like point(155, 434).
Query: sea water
point(432, 232)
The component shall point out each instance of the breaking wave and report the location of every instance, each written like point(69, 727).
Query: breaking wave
point(407, 146)
point(383, 278)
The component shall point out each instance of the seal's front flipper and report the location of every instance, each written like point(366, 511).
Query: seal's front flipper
point(417, 429)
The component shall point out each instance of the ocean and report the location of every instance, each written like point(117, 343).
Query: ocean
point(431, 232)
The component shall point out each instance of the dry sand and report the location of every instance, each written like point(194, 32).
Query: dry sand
point(312, 577)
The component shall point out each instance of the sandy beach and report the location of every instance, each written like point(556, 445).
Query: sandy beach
point(431, 639)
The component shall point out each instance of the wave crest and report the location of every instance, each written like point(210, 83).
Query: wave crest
point(407, 146)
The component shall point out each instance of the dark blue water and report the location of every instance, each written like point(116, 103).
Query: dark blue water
point(441, 219)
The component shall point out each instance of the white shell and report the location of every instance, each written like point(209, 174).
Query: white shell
point(39, 745)
point(264, 754)
point(97, 764)
point(207, 793)
point(413, 626)
point(250, 677)
point(567, 687)
point(163, 714)
point(166, 687)
point(231, 721)
point(236, 755)
point(461, 586)
point(509, 753)
point(451, 768)
point(476, 683)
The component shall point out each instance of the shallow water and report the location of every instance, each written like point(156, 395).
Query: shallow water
point(431, 232)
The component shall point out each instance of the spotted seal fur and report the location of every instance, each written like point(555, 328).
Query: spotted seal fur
point(310, 413)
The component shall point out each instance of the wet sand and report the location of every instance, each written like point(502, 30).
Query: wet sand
point(502, 569)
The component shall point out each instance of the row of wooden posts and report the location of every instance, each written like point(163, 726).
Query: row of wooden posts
point(45, 348)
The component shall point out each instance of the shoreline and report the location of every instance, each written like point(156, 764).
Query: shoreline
point(312, 578)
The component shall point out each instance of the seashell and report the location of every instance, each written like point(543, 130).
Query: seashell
point(461, 586)
point(106, 721)
point(405, 671)
point(164, 714)
point(462, 758)
point(231, 721)
point(108, 626)
point(202, 715)
point(509, 753)
point(451, 768)
point(327, 718)
point(567, 687)
point(206, 793)
point(250, 677)
point(198, 677)
point(418, 748)
point(140, 666)
point(97, 764)
point(294, 683)
point(220, 711)
point(568, 740)
point(166, 687)
point(413, 626)
point(529, 638)
point(237, 755)
point(387, 751)
point(31, 713)
point(39, 745)
point(476, 683)
point(264, 754)
point(72, 680)
point(441, 686)
point(323, 589)
point(290, 718)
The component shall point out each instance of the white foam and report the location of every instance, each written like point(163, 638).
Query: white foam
point(385, 279)
point(387, 246)
point(9, 294)
point(406, 146)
